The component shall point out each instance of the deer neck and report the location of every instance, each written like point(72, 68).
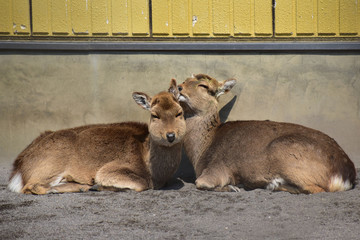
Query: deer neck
point(200, 131)
point(163, 162)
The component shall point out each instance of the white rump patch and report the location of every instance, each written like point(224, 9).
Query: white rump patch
point(275, 184)
point(337, 184)
point(16, 184)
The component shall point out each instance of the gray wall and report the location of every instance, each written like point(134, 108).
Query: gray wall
point(50, 91)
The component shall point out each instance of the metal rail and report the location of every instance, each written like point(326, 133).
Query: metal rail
point(178, 46)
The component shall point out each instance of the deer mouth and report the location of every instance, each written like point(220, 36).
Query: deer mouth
point(189, 111)
point(182, 98)
point(167, 141)
point(184, 101)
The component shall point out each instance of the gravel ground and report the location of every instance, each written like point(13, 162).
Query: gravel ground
point(178, 212)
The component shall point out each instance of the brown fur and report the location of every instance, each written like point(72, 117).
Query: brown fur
point(257, 154)
point(117, 156)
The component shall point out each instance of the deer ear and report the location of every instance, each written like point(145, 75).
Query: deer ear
point(174, 89)
point(142, 99)
point(225, 86)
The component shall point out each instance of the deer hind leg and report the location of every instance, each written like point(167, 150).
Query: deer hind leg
point(41, 184)
point(295, 181)
point(59, 183)
point(309, 189)
point(300, 164)
point(36, 188)
point(279, 184)
point(118, 177)
point(56, 184)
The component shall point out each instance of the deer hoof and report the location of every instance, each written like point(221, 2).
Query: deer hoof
point(94, 188)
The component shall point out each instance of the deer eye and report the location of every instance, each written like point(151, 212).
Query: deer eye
point(155, 116)
point(179, 114)
point(203, 86)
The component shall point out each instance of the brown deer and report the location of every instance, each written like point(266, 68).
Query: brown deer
point(257, 154)
point(117, 156)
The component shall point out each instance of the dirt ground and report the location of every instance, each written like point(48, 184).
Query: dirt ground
point(178, 212)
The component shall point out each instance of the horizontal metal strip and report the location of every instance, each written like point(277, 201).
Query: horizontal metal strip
point(180, 46)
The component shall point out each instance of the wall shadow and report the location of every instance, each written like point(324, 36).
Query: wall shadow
point(225, 111)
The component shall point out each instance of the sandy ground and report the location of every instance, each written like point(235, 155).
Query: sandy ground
point(178, 212)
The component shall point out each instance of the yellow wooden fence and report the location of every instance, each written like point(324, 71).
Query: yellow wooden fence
point(180, 18)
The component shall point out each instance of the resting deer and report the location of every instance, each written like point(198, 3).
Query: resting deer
point(256, 154)
point(118, 156)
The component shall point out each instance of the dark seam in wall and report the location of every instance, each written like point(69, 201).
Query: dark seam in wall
point(150, 18)
point(273, 17)
point(31, 19)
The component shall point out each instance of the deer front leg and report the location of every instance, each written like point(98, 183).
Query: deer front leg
point(216, 179)
point(69, 187)
point(115, 175)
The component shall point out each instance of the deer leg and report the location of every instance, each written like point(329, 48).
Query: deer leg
point(296, 190)
point(69, 187)
point(215, 179)
point(36, 188)
point(313, 189)
point(227, 188)
point(40, 185)
point(98, 187)
point(116, 176)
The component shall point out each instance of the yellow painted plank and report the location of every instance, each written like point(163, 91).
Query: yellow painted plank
point(348, 19)
point(328, 17)
point(180, 17)
point(207, 18)
point(21, 17)
point(140, 17)
point(80, 17)
point(200, 17)
point(120, 16)
point(284, 13)
point(100, 18)
point(242, 17)
point(40, 16)
point(263, 17)
point(160, 17)
point(305, 17)
point(358, 18)
point(221, 17)
point(60, 17)
point(5, 17)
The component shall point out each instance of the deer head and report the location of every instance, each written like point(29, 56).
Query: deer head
point(167, 123)
point(199, 94)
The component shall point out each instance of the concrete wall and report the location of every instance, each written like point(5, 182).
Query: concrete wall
point(50, 91)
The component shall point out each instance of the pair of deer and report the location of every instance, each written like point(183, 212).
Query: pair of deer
point(225, 156)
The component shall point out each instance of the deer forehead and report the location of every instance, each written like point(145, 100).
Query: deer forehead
point(194, 82)
point(165, 104)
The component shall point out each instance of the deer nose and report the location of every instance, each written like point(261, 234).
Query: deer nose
point(180, 88)
point(170, 137)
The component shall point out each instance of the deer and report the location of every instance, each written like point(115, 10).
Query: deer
point(277, 156)
point(116, 156)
